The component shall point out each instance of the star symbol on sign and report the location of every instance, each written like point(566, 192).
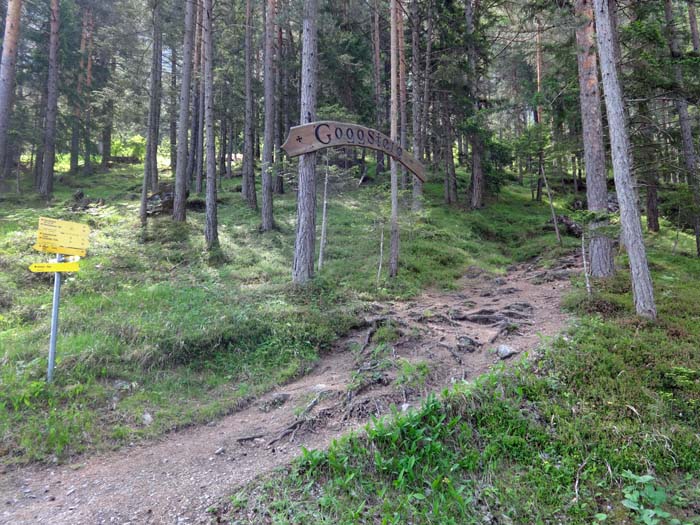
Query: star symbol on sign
point(299, 139)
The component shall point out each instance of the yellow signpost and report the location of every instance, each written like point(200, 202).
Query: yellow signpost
point(61, 238)
point(61, 267)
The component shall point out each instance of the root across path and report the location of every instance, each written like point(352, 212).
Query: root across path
point(402, 352)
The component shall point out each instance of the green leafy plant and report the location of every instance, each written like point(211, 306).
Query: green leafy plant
point(646, 499)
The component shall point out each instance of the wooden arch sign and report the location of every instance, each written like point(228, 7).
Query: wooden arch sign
point(315, 136)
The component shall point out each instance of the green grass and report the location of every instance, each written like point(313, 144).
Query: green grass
point(152, 324)
point(553, 440)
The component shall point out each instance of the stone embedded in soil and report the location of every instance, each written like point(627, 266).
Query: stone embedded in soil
point(276, 401)
point(467, 344)
point(505, 351)
point(551, 276)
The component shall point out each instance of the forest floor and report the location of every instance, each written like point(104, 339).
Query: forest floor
point(402, 351)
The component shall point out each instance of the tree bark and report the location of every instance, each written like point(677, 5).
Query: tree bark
point(46, 186)
point(394, 117)
point(248, 181)
point(268, 222)
point(376, 59)
point(211, 230)
point(689, 154)
point(539, 63)
point(649, 171)
point(173, 109)
point(693, 19)
point(426, 84)
point(87, 114)
point(199, 153)
point(77, 113)
point(601, 246)
point(156, 96)
point(109, 124)
point(305, 243)
point(7, 74)
point(642, 288)
point(181, 175)
point(152, 133)
point(278, 184)
point(403, 98)
point(38, 154)
point(195, 97)
point(415, 100)
point(478, 182)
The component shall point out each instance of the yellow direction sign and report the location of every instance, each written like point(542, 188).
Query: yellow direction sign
point(54, 267)
point(60, 249)
point(64, 237)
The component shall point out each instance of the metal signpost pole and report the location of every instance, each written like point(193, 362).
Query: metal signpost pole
point(54, 321)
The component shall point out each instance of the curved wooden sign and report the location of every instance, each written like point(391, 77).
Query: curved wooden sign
point(315, 136)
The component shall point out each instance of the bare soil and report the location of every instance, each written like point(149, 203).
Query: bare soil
point(428, 344)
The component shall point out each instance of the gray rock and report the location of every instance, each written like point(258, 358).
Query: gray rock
point(505, 351)
point(276, 401)
point(147, 418)
point(467, 344)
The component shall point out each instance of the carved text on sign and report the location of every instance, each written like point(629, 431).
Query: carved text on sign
point(316, 136)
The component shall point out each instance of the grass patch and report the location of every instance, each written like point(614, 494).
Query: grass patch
point(194, 335)
point(601, 428)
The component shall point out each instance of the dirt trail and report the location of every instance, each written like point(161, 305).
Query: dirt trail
point(175, 480)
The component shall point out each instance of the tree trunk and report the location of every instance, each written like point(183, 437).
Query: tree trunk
point(46, 186)
point(223, 144)
point(601, 246)
point(87, 114)
point(211, 231)
point(693, 19)
point(268, 222)
point(152, 133)
point(304, 245)
point(538, 111)
point(415, 99)
point(689, 154)
point(425, 142)
point(38, 152)
point(77, 112)
point(278, 184)
point(248, 182)
point(232, 137)
point(649, 171)
point(181, 175)
point(324, 219)
point(376, 56)
point(156, 97)
point(394, 117)
point(478, 182)
point(195, 98)
point(403, 99)
point(199, 153)
point(642, 287)
point(448, 154)
point(173, 109)
point(108, 128)
point(7, 74)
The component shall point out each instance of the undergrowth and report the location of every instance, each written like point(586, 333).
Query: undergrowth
point(156, 334)
point(600, 427)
